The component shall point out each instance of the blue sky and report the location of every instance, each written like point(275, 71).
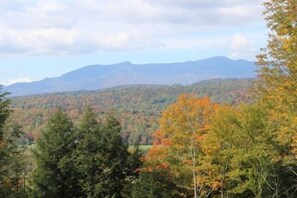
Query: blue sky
point(46, 38)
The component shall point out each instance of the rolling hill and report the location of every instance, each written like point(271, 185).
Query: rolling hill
point(138, 107)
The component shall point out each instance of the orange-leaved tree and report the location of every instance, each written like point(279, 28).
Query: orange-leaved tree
point(177, 142)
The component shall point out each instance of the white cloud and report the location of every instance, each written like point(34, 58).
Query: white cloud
point(16, 80)
point(239, 41)
point(242, 46)
point(89, 26)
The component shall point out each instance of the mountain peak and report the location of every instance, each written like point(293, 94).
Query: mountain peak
point(124, 63)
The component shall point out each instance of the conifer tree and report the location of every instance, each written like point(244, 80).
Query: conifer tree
point(11, 161)
point(4, 112)
point(104, 165)
point(54, 175)
point(119, 162)
point(156, 183)
point(87, 156)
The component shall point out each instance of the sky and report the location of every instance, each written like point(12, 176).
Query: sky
point(46, 38)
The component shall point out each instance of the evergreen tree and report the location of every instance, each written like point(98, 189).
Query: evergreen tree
point(4, 113)
point(119, 162)
point(87, 156)
point(156, 183)
point(102, 159)
point(54, 175)
point(11, 162)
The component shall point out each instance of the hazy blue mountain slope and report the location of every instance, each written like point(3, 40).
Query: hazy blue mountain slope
point(105, 76)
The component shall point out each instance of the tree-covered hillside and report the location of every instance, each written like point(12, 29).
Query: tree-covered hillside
point(137, 107)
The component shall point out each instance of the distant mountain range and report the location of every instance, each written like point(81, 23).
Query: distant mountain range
point(95, 77)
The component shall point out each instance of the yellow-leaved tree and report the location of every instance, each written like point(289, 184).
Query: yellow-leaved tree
point(238, 149)
point(183, 127)
point(277, 84)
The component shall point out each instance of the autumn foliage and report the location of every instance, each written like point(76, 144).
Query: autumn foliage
point(239, 151)
point(218, 150)
point(178, 141)
point(200, 148)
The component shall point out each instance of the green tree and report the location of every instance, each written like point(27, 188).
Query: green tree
point(87, 157)
point(102, 160)
point(12, 167)
point(54, 175)
point(4, 112)
point(121, 164)
point(155, 183)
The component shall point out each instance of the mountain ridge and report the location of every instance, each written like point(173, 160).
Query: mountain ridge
point(93, 77)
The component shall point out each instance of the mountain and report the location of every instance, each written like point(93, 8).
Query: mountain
point(95, 77)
